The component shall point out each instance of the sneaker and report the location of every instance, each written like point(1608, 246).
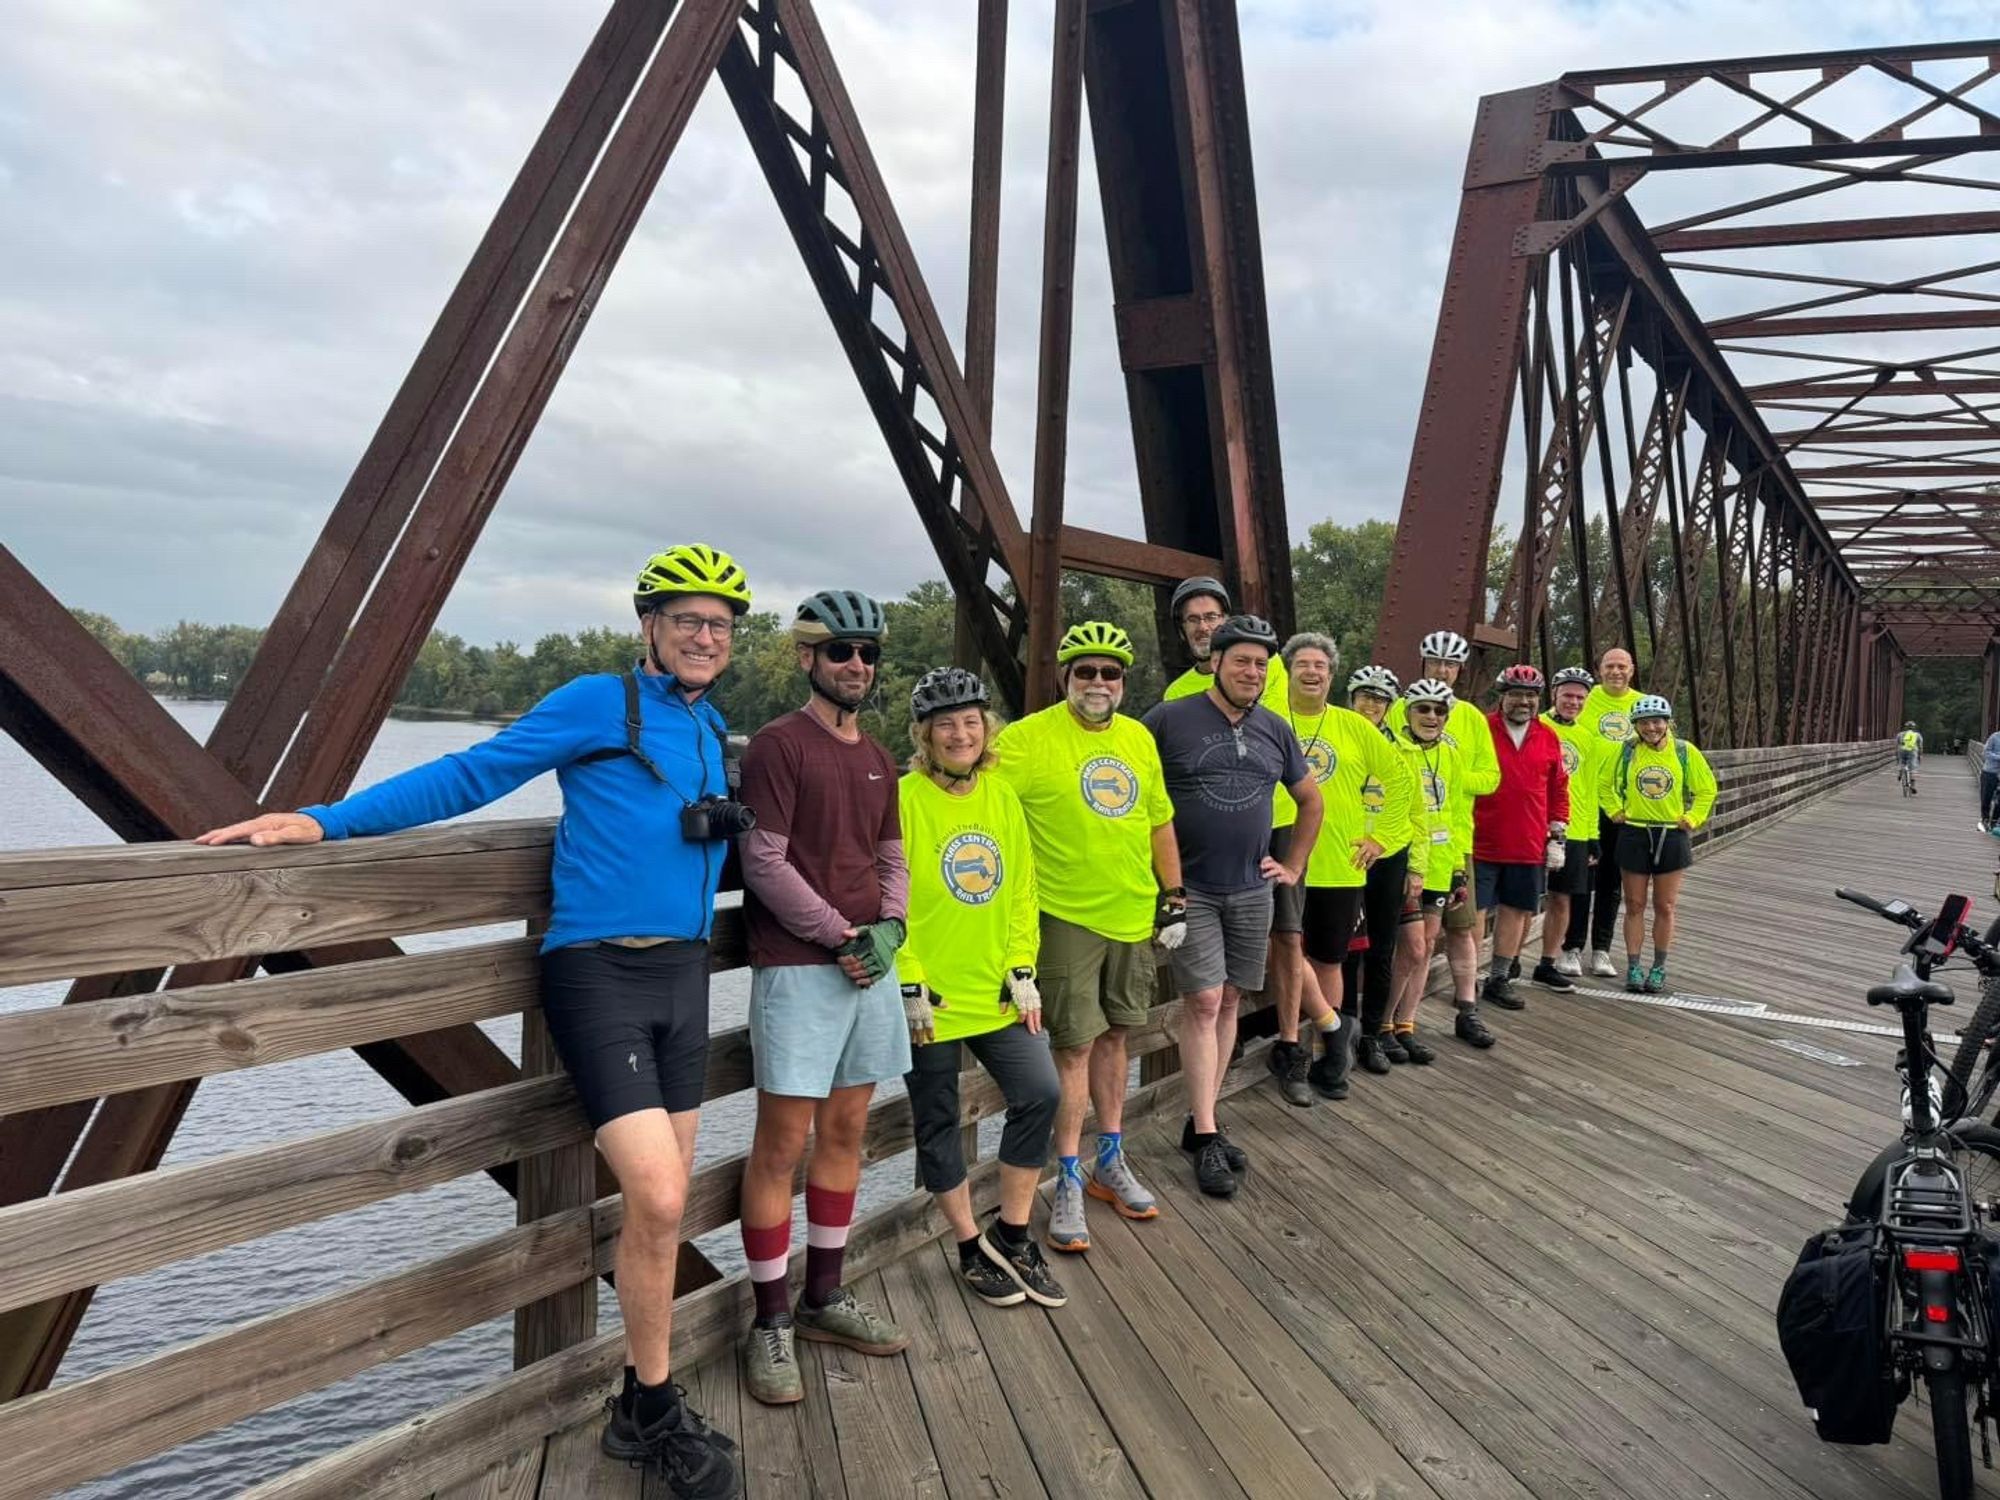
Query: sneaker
point(1656, 980)
point(1239, 1160)
point(1211, 1170)
point(1288, 1063)
point(679, 1446)
point(1022, 1268)
point(1328, 1076)
point(1601, 964)
point(1371, 1055)
point(1420, 1054)
point(1549, 977)
point(1500, 992)
point(1116, 1185)
point(1392, 1048)
point(989, 1283)
point(1470, 1028)
point(848, 1321)
point(771, 1364)
point(1635, 977)
point(1068, 1230)
point(1570, 962)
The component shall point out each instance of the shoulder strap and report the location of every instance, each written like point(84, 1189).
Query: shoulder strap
point(1687, 785)
point(1625, 753)
point(631, 745)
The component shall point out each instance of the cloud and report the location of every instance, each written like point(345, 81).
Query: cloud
point(227, 228)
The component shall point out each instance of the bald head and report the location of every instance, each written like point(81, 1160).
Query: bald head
point(1614, 670)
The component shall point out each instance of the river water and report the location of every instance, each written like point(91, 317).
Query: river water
point(145, 1314)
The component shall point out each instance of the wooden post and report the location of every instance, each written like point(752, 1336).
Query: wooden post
point(552, 1181)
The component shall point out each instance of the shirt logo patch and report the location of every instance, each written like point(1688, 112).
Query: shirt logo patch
point(971, 868)
point(1654, 782)
point(1110, 787)
point(1435, 791)
point(1373, 795)
point(1322, 760)
point(1615, 726)
point(1571, 760)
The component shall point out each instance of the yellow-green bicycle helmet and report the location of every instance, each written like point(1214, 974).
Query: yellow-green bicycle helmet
point(691, 568)
point(1094, 638)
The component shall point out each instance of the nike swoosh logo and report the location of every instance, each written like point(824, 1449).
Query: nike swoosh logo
point(874, 775)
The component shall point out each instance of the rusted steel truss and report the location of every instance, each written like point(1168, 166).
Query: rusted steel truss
point(1776, 480)
point(341, 644)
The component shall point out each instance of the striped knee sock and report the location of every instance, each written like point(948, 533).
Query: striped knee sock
point(828, 1214)
point(767, 1250)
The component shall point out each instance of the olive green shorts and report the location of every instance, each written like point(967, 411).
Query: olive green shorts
point(1090, 984)
point(1464, 917)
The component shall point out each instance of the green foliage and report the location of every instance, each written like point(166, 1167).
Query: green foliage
point(1942, 697)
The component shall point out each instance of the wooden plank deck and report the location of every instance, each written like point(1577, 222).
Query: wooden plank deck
point(1546, 1270)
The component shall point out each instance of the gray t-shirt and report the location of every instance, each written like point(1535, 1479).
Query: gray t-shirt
point(1220, 776)
point(1990, 753)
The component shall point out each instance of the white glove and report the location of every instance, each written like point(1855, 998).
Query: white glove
point(1170, 922)
point(1557, 854)
point(1022, 991)
point(918, 1003)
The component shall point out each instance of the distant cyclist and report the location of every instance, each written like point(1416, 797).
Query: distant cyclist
point(1910, 752)
point(624, 963)
point(1441, 837)
point(1607, 713)
point(1445, 653)
point(1582, 749)
point(968, 976)
point(1656, 790)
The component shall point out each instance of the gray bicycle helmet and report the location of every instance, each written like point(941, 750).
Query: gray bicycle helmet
point(1243, 630)
point(1573, 676)
point(1191, 587)
point(1427, 690)
point(838, 615)
point(1373, 678)
point(945, 687)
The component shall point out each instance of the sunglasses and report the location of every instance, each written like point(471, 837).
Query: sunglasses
point(1090, 673)
point(841, 651)
point(1426, 708)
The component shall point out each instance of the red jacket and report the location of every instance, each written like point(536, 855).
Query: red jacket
point(1511, 826)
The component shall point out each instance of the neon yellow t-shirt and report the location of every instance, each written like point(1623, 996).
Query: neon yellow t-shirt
point(1648, 789)
point(1909, 739)
point(1366, 790)
point(973, 913)
point(1277, 694)
point(1609, 716)
point(1092, 800)
point(1581, 760)
point(1441, 820)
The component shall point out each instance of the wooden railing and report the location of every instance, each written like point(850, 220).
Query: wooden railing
point(67, 913)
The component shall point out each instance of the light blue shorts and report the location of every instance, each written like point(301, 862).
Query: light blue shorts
point(812, 1031)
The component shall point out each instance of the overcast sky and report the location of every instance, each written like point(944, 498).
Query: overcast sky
point(226, 228)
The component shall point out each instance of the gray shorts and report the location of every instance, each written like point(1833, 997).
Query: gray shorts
point(1228, 940)
point(1020, 1063)
point(1288, 902)
point(812, 1031)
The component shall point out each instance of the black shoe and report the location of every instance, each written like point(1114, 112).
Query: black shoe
point(1422, 1054)
point(1238, 1161)
point(1549, 977)
point(1371, 1055)
point(1500, 992)
point(1212, 1173)
point(1392, 1047)
point(1471, 1028)
point(989, 1283)
point(688, 1454)
point(1022, 1268)
point(1514, 969)
point(1328, 1076)
point(1289, 1062)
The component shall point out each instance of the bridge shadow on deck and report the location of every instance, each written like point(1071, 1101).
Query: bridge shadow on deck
point(1546, 1270)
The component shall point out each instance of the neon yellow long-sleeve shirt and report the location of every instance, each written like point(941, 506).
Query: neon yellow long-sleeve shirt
point(1583, 753)
point(1441, 821)
point(1365, 786)
point(1647, 787)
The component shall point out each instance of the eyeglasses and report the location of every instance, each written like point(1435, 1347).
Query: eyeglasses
point(693, 625)
point(1426, 708)
point(841, 651)
point(1211, 618)
point(1090, 672)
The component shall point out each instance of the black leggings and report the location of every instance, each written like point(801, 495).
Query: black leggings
point(1381, 918)
point(1594, 915)
point(1989, 785)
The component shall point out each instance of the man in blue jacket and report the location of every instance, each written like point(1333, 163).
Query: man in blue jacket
point(624, 978)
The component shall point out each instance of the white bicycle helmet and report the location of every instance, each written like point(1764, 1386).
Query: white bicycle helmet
point(1429, 690)
point(1445, 645)
point(1573, 676)
point(1375, 679)
point(1652, 706)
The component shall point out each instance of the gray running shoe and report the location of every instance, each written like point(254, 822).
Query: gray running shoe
point(1068, 1230)
point(771, 1364)
point(848, 1321)
point(1117, 1186)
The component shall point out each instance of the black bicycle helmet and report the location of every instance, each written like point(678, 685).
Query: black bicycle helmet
point(1191, 587)
point(1242, 630)
point(945, 687)
point(838, 615)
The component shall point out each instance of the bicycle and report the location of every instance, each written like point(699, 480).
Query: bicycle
point(1975, 1067)
point(1906, 776)
point(1916, 1239)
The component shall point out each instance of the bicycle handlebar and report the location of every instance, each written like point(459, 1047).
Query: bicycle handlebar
point(1908, 917)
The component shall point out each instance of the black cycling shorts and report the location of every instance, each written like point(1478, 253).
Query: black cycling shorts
point(1653, 849)
point(1576, 877)
point(630, 1024)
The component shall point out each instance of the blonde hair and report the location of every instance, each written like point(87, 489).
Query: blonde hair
point(920, 741)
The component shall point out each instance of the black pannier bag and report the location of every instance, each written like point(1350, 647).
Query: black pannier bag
point(1832, 1319)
